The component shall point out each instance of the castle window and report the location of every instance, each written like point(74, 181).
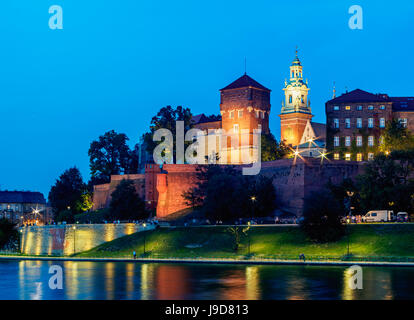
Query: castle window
point(336, 123)
point(348, 108)
point(359, 156)
point(370, 156)
point(370, 122)
point(263, 114)
point(371, 141)
point(347, 156)
point(336, 141)
point(382, 122)
point(257, 113)
point(359, 108)
point(240, 113)
point(302, 99)
point(347, 123)
point(236, 128)
point(359, 141)
point(259, 127)
point(370, 107)
point(347, 141)
point(336, 156)
point(290, 99)
point(231, 115)
point(336, 108)
point(382, 107)
point(359, 123)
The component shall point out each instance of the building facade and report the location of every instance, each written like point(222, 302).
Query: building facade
point(357, 119)
point(24, 207)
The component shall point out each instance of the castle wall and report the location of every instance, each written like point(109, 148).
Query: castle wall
point(65, 240)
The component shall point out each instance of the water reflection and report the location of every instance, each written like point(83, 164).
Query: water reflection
point(94, 280)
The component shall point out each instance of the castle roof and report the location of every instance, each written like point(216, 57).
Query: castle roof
point(402, 103)
point(359, 95)
point(21, 197)
point(244, 81)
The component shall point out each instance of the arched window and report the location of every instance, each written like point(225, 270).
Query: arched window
point(290, 99)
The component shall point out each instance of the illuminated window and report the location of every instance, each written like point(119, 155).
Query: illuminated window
point(290, 99)
point(370, 122)
point(359, 122)
point(302, 98)
point(359, 108)
point(370, 156)
point(359, 141)
point(370, 107)
point(231, 115)
point(259, 127)
point(371, 141)
point(347, 141)
point(236, 128)
point(336, 123)
point(336, 156)
point(347, 123)
point(257, 113)
point(240, 113)
point(336, 108)
point(336, 141)
point(348, 108)
point(263, 114)
point(359, 156)
point(382, 107)
point(347, 156)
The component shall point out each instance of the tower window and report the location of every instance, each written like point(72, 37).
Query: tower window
point(257, 113)
point(231, 115)
point(240, 113)
point(259, 127)
point(302, 99)
point(236, 128)
point(290, 99)
point(263, 114)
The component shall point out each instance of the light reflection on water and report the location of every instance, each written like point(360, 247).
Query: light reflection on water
point(97, 280)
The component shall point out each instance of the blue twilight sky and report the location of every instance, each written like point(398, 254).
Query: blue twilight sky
point(117, 62)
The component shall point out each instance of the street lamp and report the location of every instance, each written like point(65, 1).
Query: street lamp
point(248, 224)
point(347, 232)
point(145, 235)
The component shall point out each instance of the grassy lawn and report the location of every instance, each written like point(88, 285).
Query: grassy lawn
point(375, 241)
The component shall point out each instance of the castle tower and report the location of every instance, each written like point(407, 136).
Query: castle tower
point(296, 111)
point(245, 105)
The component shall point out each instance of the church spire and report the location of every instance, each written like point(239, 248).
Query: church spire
point(334, 91)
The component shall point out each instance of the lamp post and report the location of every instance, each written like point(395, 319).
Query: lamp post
point(248, 235)
point(145, 235)
point(347, 232)
point(74, 239)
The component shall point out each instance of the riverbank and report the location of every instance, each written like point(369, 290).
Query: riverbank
point(378, 243)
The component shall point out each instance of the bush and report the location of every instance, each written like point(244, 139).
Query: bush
point(98, 216)
point(322, 218)
point(8, 233)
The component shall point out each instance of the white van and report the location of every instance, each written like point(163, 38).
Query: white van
point(379, 216)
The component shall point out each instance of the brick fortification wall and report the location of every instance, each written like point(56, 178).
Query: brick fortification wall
point(293, 182)
point(64, 240)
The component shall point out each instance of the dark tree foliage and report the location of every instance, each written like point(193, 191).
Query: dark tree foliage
point(67, 193)
point(166, 119)
point(271, 149)
point(387, 182)
point(322, 218)
point(223, 193)
point(126, 204)
point(347, 193)
point(396, 137)
point(110, 155)
point(8, 232)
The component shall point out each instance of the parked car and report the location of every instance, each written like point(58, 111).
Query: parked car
point(402, 217)
point(379, 216)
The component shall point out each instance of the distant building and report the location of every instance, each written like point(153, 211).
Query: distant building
point(23, 207)
point(357, 119)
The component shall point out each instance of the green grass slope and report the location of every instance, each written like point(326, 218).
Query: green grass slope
point(375, 242)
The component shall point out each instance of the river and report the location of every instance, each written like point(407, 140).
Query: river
point(123, 280)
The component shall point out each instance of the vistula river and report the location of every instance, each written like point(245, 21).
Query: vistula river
point(124, 280)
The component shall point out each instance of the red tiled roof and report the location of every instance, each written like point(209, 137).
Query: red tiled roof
point(244, 81)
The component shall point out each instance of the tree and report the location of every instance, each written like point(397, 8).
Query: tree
point(166, 119)
point(126, 204)
point(67, 192)
point(322, 218)
point(386, 182)
point(110, 155)
point(271, 149)
point(8, 233)
point(237, 232)
point(396, 137)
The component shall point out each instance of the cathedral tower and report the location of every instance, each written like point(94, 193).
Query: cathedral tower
point(296, 111)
